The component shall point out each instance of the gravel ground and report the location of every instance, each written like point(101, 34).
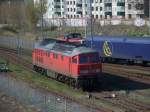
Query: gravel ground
point(10, 104)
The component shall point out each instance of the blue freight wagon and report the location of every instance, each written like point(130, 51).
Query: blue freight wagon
point(131, 50)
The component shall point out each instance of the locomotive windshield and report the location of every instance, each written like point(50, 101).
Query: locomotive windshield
point(94, 58)
point(83, 59)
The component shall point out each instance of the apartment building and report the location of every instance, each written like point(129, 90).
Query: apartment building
point(55, 9)
point(134, 9)
point(101, 9)
point(117, 9)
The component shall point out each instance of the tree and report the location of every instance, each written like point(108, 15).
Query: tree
point(35, 12)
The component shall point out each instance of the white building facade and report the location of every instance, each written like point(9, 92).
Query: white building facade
point(101, 9)
point(76, 12)
point(117, 9)
point(55, 9)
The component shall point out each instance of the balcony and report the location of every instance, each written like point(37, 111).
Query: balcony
point(107, 1)
point(80, 13)
point(79, 9)
point(57, 3)
point(58, 13)
point(108, 9)
point(79, 1)
point(120, 1)
point(139, 11)
point(121, 9)
point(57, 9)
point(121, 14)
point(135, 11)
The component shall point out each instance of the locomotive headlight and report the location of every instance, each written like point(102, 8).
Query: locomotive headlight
point(97, 70)
point(83, 71)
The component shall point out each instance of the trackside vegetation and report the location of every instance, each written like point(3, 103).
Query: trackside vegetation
point(36, 80)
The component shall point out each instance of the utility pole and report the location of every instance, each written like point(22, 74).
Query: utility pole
point(91, 23)
point(41, 3)
point(85, 16)
point(90, 20)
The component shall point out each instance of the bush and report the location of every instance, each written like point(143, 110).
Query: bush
point(13, 29)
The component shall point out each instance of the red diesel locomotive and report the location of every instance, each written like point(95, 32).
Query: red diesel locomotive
point(75, 65)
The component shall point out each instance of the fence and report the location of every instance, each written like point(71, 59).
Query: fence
point(16, 42)
point(83, 22)
point(114, 26)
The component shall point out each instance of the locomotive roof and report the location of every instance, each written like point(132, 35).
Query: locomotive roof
point(45, 44)
point(143, 40)
point(65, 48)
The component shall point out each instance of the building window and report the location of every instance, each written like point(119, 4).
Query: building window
point(92, 8)
point(139, 6)
point(129, 6)
point(96, 8)
point(101, 16)
point(130, 16)
point(92, 16)
point(101, 8)
point(96, 16)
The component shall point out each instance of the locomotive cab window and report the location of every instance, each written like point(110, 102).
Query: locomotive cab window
point(83, 59)
point(94, 58)
point(74, 60)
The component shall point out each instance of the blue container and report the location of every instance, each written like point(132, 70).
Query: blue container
point(121, 47)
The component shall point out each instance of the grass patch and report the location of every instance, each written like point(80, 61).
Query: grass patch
point(44, 82)
point(37, 80)
point(140, 98)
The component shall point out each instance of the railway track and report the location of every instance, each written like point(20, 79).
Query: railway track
point(12, 56)
point(131, 67)
point(121, 101)
point(128, 72)
point(138, 73)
